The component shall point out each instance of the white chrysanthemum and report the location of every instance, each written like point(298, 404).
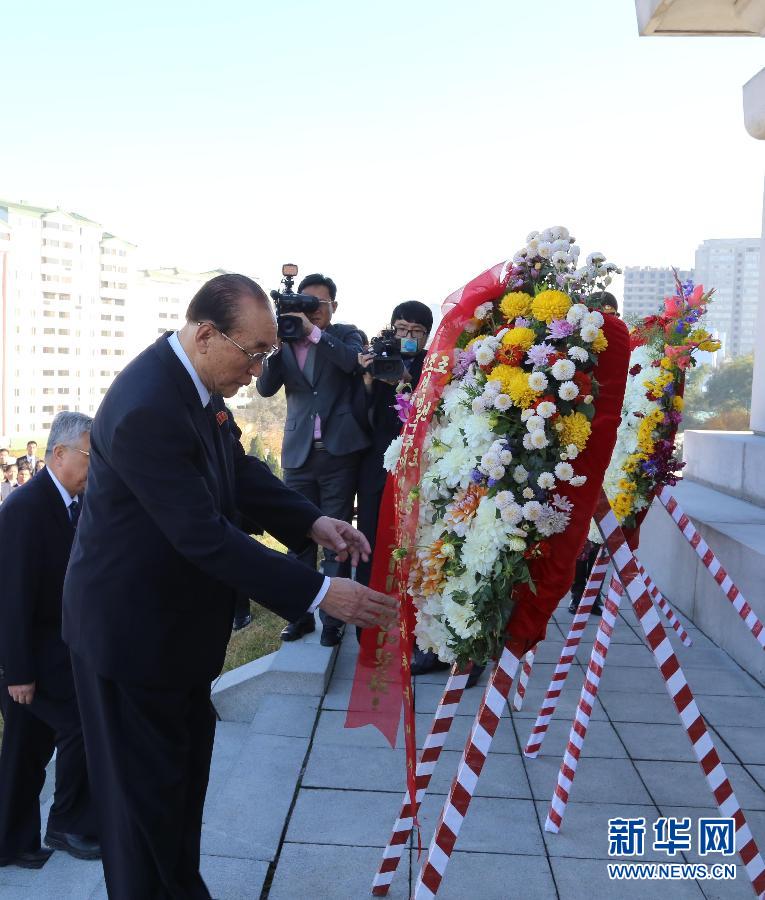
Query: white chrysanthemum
point(563, 370)
point(538, 440)
point(560, 244)
point(452, 397)
point(544, 249)
point(532, 510)
point(578, 353)
point(546, 480)
point(527, 493)
point(503, 499)
point(484, 356)
point(560, 233)
point(564, 471)
point(546, 408)
point(595, 258)
point(471, 326)
point(502, 402)
point(520, 474)
point(512, 514)
point(517, 544)
point(492, 387)
point(527, 445)
point(459, 615)
point(497, 473)
point(505, 457)
point(588, 398)
point(535, 423)
point(478, 405)
point(482, 310)
point(531, 235)
point(588, 333)
point(573, 451)
point(531, 246)
point(575, 250)
point(537, 381)
point(576, 312)
point(526, 414)
point(578, 480)
point(568, 390)
point(392, 454)
point(594, 317)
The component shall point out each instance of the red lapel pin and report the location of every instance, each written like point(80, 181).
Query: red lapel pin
point(222, 417)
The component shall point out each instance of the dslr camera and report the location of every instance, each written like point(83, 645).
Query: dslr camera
point(388, 350)
point(289, 328)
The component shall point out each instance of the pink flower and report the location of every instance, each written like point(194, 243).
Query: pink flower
point(403, 406)
point(673, 305)
point(695, 298)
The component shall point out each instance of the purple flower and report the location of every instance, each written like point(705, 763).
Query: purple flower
point(477, 476)
point(520, 322)
point(403, 406)
point(560, 328)
point(687, 287)
point(492, 482)
point(538, 354)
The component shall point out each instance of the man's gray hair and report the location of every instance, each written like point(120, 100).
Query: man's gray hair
point(67, 428)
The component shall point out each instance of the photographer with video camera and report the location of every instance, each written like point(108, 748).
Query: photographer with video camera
point(317, 365)
point(392, 366)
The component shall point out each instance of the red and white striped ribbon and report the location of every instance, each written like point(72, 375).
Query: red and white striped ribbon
point(584, 708)
point(523, 678)
point(669, 614)
point(550, 702)
point(471, 764)
point(680, 692)
point(712, 564)
point(434, 744)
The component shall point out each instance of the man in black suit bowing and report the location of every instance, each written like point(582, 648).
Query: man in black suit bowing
point(156, 566)
point(37, 696)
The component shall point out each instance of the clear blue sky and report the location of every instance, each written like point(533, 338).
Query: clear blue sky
point(401, 147)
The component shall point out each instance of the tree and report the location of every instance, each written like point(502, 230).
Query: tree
point(730, 386)
point(719, 399)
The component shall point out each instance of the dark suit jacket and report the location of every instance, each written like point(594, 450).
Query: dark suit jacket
point(157, 562)
point(36, 536)
point(325, 387)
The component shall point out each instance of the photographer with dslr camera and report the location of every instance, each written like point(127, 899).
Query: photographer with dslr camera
point(394, 359)
point(317, 364)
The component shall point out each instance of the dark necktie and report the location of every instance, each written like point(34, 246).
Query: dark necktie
point(74, 512)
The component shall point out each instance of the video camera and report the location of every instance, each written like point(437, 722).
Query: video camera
point(388, 351)
point(289, 328)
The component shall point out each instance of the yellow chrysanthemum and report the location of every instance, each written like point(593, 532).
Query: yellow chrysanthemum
point(519, 337)
point(515, 383)
point(600, 343)
point(549, 305)
point(645, 440)
point(699, 334)
point(515, 304)
point(576, 430)
point(632, 463)
point(710, 346)
point(622, 506)
point(678, 403)
point(627, 486)
point(666, 363)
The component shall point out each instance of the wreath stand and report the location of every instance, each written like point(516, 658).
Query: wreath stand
point(629, 577)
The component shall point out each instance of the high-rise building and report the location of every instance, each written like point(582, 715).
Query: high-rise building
point(74, 311)
point(646, 287)
point(732, 268)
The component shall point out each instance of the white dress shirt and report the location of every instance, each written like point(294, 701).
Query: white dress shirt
point(204, 397)
point(65, 495)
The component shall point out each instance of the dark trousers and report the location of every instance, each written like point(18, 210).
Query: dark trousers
point(150, 751)
point(31, 734)
point(329, 482)
point(584, 564)
point(369, 512)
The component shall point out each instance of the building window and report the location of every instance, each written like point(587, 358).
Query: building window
point(48, 350)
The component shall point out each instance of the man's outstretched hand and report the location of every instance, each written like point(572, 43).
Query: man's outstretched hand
point(359, 605)
point(344, 539)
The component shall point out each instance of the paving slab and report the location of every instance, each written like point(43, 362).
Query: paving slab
point(233, 879)
point(748, 743)
point(602, 740)
point(579, 879)
point(491, 826)
point(644, 707)
point(664, 742)
point(491, 876)
point(288, 715)
point(683, 784)
point(755, 819)
point(597, 780)
point(335, 873)
point(743, 711)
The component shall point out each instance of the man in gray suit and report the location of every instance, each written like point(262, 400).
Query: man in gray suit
point(322, 439)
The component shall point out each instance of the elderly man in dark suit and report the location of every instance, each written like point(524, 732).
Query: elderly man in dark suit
point(322, 438)
point(155, 569)
point(37, 696)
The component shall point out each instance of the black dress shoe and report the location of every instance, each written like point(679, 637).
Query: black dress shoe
point(295, 630)
point(475, 674)
point(573, 606)
point(241, 622)
point(80, 846)
point(32, 859)
point(331, 635)
point(597, 608)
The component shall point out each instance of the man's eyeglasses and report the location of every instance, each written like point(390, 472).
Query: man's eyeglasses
point(403, 331)
point(84, 452)
point(253, 357)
